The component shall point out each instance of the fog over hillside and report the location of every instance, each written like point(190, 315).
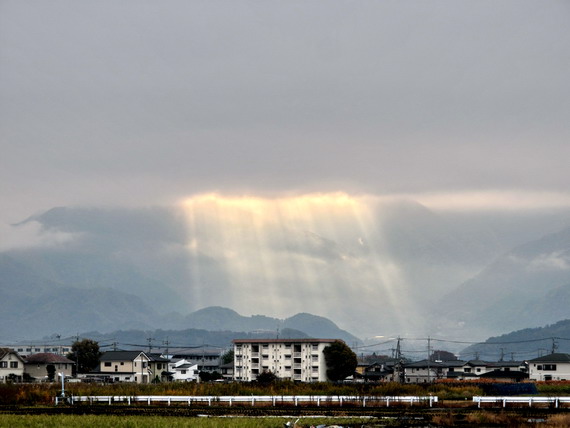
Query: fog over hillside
point(375, 267)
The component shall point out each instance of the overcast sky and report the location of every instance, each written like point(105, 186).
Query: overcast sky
point(145, 102)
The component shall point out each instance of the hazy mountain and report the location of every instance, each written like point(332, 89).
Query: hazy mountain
point(523, 344)
point(528, 286)
point(224, 319)
point(375, 270)
point(33, 306)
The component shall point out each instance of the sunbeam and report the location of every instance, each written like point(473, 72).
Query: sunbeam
point(318, 253)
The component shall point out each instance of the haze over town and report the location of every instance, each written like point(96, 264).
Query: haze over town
point(355, 160)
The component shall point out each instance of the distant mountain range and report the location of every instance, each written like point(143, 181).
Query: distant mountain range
point(528, 286)
point(523, 344)
point(39, 307)
point(149, 268)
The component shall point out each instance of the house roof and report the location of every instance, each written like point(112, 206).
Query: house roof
point(501, 374)
point(157, 358)
point(423, 363)
point(121, 355)
point(46, 357)
point(6, 351)
point(477, 363)
point(552, 358)
point(506, 364)
point(292, 341)
point(183, 366)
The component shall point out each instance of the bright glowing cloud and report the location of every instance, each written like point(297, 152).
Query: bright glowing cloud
point(321, 253)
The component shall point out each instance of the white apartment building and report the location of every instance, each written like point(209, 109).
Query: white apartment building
point(293, 359)
point(29, 349)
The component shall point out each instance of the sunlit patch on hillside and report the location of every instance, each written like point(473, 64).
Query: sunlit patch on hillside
point(320, 253)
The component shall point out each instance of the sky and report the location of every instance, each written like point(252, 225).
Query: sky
point(460, 105)
point(142, 102)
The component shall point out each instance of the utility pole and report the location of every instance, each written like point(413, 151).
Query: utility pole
point(554, 346)
point(400, 363)
point(166, 342)
point(149, 340)
point(428, 359)
point(502, 354)
point(77, 353)
point(114, 346)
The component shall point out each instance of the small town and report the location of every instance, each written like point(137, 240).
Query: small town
point(301, 360)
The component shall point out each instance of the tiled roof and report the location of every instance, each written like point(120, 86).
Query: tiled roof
point(46, 357)
point(423, 363)
point(552, 358)
point(120, 355)
point(477, 363)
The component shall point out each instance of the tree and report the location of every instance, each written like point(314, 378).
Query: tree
point(209, 376)
point(266, 377)
point(86, 355)
point(341, 361)
point(228, 357)
point(50, 368)
point(442, 356)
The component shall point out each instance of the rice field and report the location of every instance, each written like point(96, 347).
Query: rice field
point(101, 421)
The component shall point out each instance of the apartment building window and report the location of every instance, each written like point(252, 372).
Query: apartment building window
point(315, 357)
point(315, 346)
point(13, 364)
point(3, 364)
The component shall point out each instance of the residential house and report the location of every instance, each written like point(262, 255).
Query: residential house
point(227, 370)
point(185, 371)
point(125, 366)
point(424, 371)
point(159, 367)
point(39, 366)
point(379, 372)
point(294, 359)
point(550, 367)
point(11, 366)
point(207, 359)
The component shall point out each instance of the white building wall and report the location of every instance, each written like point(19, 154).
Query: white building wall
point(287, 359)
point(549, 371)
